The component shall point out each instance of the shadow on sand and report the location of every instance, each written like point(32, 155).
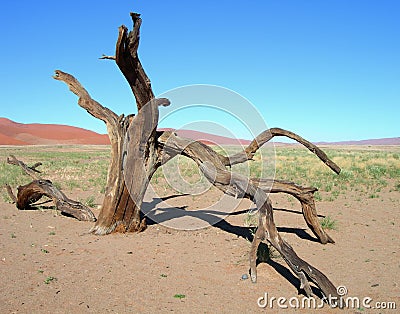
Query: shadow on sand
point(157, 214)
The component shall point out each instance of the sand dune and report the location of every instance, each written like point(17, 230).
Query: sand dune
point(13, 133)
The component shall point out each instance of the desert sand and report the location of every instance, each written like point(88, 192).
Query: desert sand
point(51, 264)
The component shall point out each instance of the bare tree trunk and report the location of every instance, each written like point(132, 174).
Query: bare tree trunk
point(120, 210)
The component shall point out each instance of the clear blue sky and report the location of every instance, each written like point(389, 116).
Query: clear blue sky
point(328, 70)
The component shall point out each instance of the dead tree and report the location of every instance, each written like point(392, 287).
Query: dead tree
point(138, 149)
point(238, 185)
point(29, 194)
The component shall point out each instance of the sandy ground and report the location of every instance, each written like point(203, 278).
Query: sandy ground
point(50, 264)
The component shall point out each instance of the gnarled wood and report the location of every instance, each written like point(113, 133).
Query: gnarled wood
point(266, 136)
point(238, 185)
point(10, 193)
point(127, 59)
point(139, 154)
point(30, 193)
point(305, 195)
point(30, 171)
point(119, 211)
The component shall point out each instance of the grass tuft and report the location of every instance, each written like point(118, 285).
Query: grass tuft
point(179, 296)
point(328, 223)
point(49, 279)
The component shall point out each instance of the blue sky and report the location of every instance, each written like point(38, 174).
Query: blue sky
point(328, 70)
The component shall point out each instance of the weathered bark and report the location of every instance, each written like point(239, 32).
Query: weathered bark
point(30, 193)
point(238, 185)
point(30, 171)
point(305, 195)
point(116, 127)
point(127, 59)
point(120, 210)
point(266, 136)
point(10, 193)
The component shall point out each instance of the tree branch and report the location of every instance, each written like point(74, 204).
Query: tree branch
point(305, 195)
point(30, 193)
point(107, 57)
point(10, 193)
point(266, 136)
point(127, 59)
point(30, 171)
point(85, 101)
point(238, 185)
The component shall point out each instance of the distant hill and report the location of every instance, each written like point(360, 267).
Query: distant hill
point(13, 133)
point(378, 141)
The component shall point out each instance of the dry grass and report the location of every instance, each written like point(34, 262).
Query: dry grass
point(68, 167)
point(367, 171)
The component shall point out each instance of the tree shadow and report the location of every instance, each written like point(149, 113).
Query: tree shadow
point(294, 211)
point(300, 232)
point(40, 206)
point(290, 277)
point(212, 217)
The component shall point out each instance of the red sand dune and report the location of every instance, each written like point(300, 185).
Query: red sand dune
point(7, 140)
point(13, 133)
